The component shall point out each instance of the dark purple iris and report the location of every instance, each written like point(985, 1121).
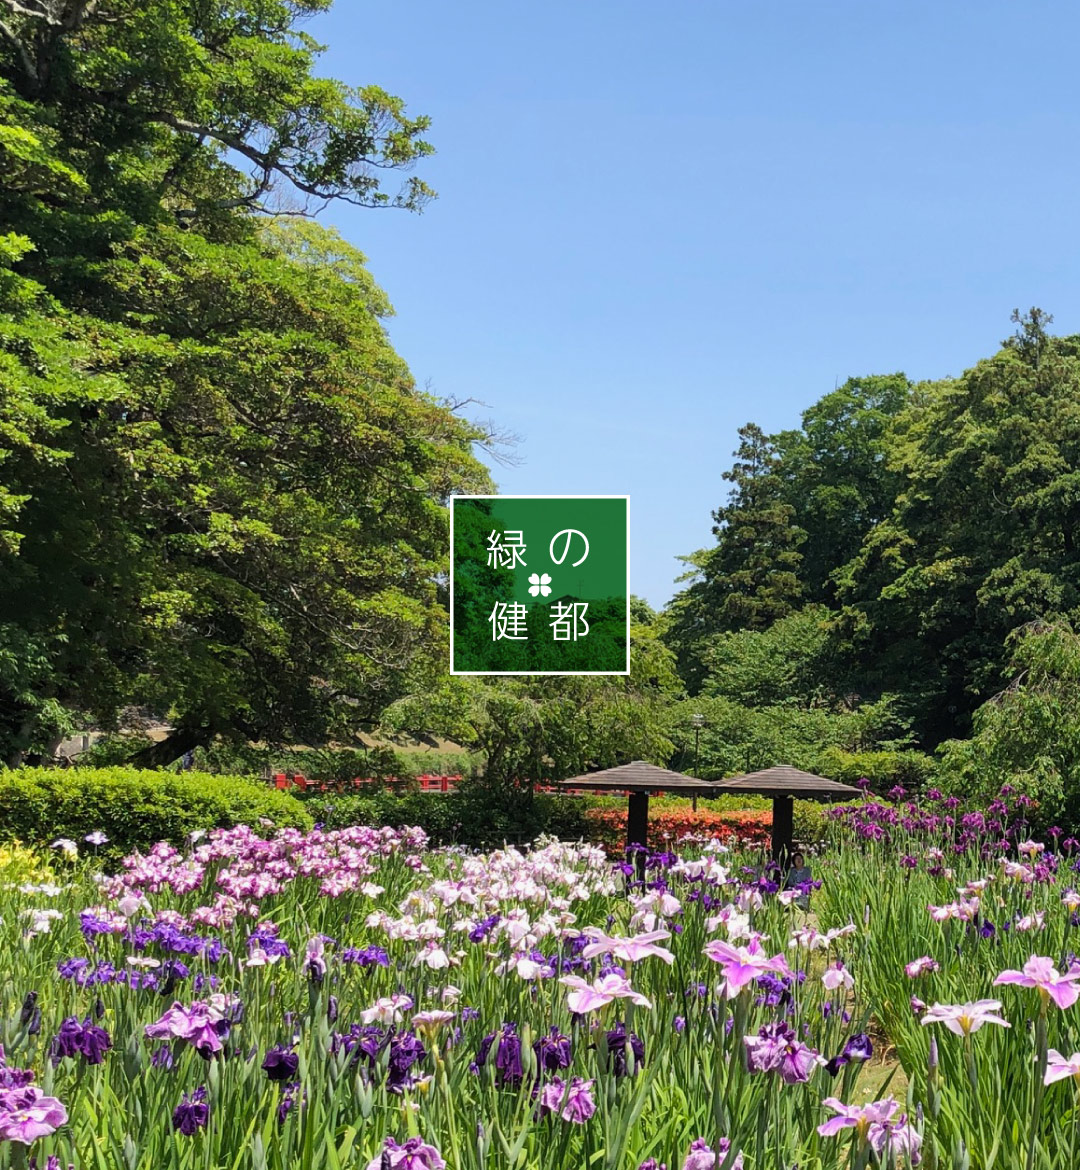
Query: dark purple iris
point(162, 1057)
point(281, 1063)
point(858, 1048)
point(361, 1041)
point(14, 1078)
point(288, 1099)
point(553, 1051)
point(405, 1052)
point(85, 1039)
point(617, 1043)
point(268, 942)
point(70, 968)
point(776, 991)
point(482, 929)
point(508, 1067)
point(192, 1113)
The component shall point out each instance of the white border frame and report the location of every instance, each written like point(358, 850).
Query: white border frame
point(537, 673)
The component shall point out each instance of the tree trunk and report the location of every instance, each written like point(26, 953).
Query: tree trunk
point(171, 748)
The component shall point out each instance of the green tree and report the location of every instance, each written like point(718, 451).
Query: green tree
point(789, 663)
point(836, 474)
point(750, 578)
point(221, 494)
point(983, 536)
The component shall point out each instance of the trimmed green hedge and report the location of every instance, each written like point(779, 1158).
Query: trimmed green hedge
point(134, 808)
point(471, 815)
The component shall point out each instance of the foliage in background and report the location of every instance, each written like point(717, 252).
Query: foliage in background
point(930, 521)
point(550, 728)
point(984, 536)
point(1028, 736)
point(800, 504)
point(133, 808)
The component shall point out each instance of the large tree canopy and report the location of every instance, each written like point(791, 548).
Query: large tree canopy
point(147, 96)
point(222, 496)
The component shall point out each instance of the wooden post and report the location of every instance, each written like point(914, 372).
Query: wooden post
point(637, 828)
point(637, 819)
point(783, 813)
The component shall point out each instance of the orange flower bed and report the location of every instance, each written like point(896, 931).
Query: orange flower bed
point(750, 827)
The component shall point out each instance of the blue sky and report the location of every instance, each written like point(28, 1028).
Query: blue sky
point(657, 222)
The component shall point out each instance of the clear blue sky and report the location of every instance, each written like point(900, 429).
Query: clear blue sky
point(658, 221)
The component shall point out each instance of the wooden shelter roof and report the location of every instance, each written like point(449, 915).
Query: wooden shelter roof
point(784, 780)
point(639, 776)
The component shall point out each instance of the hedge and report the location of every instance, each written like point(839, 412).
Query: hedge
point(468, 815)
point(750, 827)
point(134, 808)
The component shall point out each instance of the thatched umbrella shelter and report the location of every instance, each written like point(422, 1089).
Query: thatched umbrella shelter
point(639, 780)
point(783, 783)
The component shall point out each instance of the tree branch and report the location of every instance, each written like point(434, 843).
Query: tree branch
point(9, 34)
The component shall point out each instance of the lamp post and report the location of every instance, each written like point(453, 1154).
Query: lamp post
point(698, 722)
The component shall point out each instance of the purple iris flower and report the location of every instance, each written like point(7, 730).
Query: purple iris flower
point(192, 1113)
point(617, 1041)
point(553, 1051)
point(85, 1039)
point(281, 1063)
point(366, 956)
point(508, 1067)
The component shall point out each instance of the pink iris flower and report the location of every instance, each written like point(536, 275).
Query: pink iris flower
point(965, 1018)
point(195, 1024)
point(837, 976)
point(919, 967)
point(857, 1117)
point(742, 965)
point(631, 950)
point(27, 1114)
point(1040, 972)
point(586, 997)
point(387, 1010)
point(1059, 1067)
point(573, 1102)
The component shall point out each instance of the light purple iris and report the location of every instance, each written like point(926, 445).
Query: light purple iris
point(1059, 1067)
point(573, 1102)
point(965, 1018)
point(702, 1156)
point(631, 950)
point(742, 965)
point(415, 1154)
point(201, 1025)
point(775, 1049)
point(586, 997)
point(857, 1117)
point(26, 1114)
point(1039, 972)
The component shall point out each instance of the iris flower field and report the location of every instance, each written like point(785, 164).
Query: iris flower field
point(262, 1000)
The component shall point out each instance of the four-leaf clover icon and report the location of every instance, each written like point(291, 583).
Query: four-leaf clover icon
point(539, 584)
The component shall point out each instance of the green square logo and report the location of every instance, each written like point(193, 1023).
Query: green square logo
point(539, 585)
